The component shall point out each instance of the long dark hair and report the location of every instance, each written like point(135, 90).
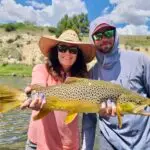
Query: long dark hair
point(78, 69)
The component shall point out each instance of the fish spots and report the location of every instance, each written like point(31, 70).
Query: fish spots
point(91, 91)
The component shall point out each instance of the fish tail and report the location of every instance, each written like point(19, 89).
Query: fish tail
point(10, 98)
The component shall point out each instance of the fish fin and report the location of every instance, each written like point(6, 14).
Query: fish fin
point(140, 110)
point(145, 113)
point(71, 80)
point(70, 117)
point(118, 111)
point(50, 104)
point(42, 113)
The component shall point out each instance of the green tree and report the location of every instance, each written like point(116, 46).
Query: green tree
point(79, 23)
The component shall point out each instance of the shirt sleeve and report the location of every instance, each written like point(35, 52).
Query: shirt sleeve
point(146, 74)
point(88, 131)
point(39, 75)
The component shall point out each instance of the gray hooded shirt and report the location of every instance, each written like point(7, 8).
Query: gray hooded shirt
point(131, 70)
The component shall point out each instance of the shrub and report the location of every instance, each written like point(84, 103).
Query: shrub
point(10, 41)
point(19, 45)
point(52, 29)
point(137, 49)
point(10, 27)
point(18, 37)
point(4, 64)
point(28, 42)
point(148, 37)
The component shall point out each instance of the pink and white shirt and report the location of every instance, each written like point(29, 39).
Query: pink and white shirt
point(51, 133)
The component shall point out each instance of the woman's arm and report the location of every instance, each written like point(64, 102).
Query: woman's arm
point(39, 76)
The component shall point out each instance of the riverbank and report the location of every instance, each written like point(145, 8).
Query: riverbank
point(15, 70)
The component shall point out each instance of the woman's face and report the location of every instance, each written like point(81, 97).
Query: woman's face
point(67, 55)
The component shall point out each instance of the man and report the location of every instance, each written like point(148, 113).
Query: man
point(131, 70)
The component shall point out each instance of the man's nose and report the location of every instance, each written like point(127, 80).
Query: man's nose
point(104, 37)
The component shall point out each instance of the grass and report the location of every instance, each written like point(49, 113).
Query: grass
point(20, 26)
point(15, 69)
point(134, 41)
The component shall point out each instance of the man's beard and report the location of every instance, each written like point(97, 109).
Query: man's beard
point(106, 49)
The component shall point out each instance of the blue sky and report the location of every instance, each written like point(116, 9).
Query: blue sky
point(95, 7)
point(131, 17)
point(25, 2)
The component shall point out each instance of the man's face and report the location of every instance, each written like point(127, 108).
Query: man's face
point(104, 40)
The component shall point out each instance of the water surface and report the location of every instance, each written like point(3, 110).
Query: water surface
point(14, 124)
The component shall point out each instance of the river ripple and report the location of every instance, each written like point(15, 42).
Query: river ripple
point(14, 124)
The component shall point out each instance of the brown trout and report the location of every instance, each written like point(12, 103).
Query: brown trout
point(78, 95)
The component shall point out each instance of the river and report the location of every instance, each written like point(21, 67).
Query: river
point(14, 124)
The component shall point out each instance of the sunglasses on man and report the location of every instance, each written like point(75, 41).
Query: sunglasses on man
point(107, 34)
point(65, 48)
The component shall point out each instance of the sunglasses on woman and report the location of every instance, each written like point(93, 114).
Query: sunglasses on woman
point(107, 34)
point(65, 48)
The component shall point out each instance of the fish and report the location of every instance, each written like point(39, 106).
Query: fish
point(78, 95)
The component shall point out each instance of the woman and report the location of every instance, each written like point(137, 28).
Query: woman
point(67, 56)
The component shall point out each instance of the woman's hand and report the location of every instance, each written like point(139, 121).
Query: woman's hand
point(35, 102)
point(107, 108)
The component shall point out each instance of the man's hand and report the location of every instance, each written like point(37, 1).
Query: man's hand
point(107, 108)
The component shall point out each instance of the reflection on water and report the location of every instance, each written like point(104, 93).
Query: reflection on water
point(14, 124)
point(13, 128)
point(18, 82)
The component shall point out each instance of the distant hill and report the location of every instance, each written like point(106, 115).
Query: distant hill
point(135, 41)
point(21, 45)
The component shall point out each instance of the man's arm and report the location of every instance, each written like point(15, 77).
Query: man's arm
point(146, 74)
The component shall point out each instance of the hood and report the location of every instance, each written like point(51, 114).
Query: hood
point(109, 59)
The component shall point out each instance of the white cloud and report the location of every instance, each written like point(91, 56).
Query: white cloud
point(134, 13)
point(106, 10)
point(10, 11)
point(134, 30)
point(35, 4)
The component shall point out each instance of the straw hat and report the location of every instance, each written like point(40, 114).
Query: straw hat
point(70, 37)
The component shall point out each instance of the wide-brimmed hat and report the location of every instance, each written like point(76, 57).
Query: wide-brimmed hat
point(68, 36)
point(103, 27)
